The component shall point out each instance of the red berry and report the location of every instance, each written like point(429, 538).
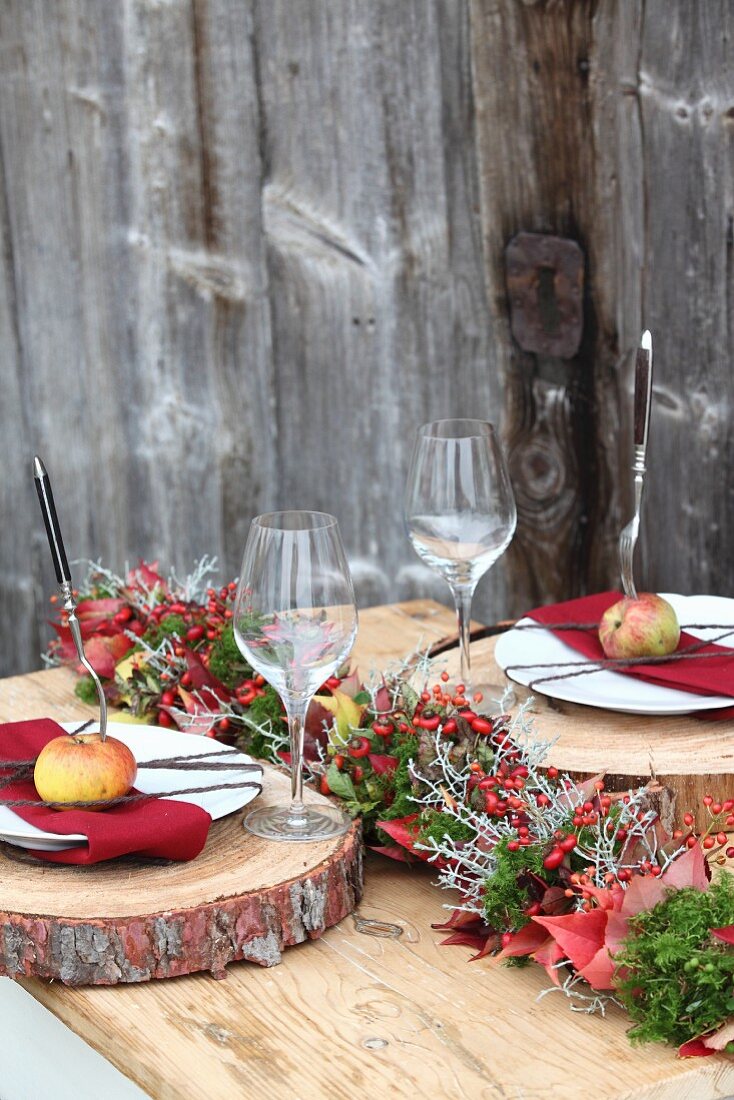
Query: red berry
point(338, 761)
point(721, 838)
point(164, 718)
point(691, 842)
point(357, 774)
point(383, 729)
point(194, 633)
point(445, 677)
point(449, 727)
point(513, 845)
point(688, 819)
point(708, 842)
point(358, 747)
point(730, 853)
point(324, 785)
point(552, 772)
point(569, 843)
point(429, 722)
point(554, 858)
point(168, 698)
point(481, 726)
point(707, 800)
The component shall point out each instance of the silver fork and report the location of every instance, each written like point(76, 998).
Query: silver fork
point(643, 393)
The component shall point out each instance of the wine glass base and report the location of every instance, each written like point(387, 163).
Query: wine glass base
point(316, 823)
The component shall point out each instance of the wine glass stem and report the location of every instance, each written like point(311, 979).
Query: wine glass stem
point(462, 599)
point(296, 709)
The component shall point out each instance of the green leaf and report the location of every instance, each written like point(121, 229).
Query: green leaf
point(340, 784)
point(362, 698)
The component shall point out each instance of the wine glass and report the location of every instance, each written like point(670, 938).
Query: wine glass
point(295, 621)
point(459, 509)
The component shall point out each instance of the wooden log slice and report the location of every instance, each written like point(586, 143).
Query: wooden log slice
point(131, 920)
point(682, 757)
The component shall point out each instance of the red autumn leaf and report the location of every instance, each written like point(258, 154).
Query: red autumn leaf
point(690, 869)
point(65, 649)
point(383, 765)
point(718, 1040)
point(580, 934)
point(383, 700)
point(466, 938)
point(547, 956)
point(144, 576)
point(554, 901)
point(695, 1048)
point(399, 830)
point(104, 653)
point(202, 680)
point(459, 918)
point(392, 851)
point(726, 934)
point(526, 941)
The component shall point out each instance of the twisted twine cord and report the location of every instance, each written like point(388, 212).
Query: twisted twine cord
point(23, 769)
point(585, 668)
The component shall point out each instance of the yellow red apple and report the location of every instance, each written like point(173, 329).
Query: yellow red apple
point(83, 768)
point(642, 627)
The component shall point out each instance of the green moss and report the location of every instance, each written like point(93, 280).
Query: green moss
point(506, 897)
point(677, 979)
point(226, 662)
point(266, 711)
point(435, 825)
point(85, 690)
point(170, 626)
point(401, 781)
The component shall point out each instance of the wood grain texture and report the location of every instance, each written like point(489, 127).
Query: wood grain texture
point(248, 247)
point(352, 1014)
point(374, 255)
point(536, 117)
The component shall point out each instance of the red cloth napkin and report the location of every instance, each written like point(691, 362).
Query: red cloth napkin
point(712, 676)
point(157, 827)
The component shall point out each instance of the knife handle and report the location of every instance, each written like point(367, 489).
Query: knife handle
point(51, 521)
point(643, 392)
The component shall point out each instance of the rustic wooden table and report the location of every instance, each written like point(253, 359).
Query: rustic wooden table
point(353, 1014)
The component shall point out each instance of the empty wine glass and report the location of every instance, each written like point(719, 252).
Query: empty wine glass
point(295, 621)
point(459, 509)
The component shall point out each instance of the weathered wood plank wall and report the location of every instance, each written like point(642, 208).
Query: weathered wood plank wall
point(248, 247)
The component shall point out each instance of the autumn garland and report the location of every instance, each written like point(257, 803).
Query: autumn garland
point(580, 880)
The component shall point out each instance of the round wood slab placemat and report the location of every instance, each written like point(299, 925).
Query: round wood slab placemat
point(131, 920)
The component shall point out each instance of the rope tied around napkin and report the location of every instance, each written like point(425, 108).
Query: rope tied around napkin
point(23, 769)
point(698, 667)
point(619, 664)
point(141, 824)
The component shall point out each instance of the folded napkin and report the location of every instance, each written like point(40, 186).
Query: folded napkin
point(710, 676)
point(156, 827)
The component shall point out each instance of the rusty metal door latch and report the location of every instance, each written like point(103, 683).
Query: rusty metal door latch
point(545, 286)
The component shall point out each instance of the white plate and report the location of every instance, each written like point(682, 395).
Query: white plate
point(613, 690)
point(148, 743)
